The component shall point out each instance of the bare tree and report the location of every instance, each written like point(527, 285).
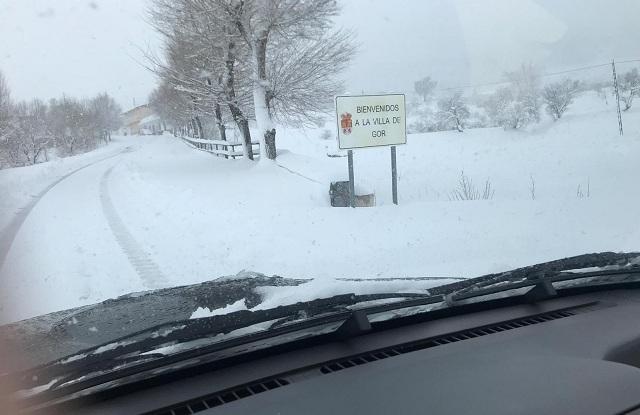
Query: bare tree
point(169, 104)
point(629, 86)
point(559, 95)
point(467, 190)
point(303, 77)
point(505, 110)
point(32, 132)
point(8, 152)
point(106, 115)
point(518, 104)
point(525, 84)
point(64, 122)
point(453, 112)
point(29, 129)
point(425, 87)
point(73, 125)
point(5, 104)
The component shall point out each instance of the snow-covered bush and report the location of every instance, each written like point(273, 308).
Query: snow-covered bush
point(559, 95)
point(525, 83)
point(629, 86)
point(31, 133)
point(505, 110)
point(467, 190)
point(518, 104)
point(453, 112)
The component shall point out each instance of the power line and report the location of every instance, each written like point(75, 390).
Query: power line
point(584, 68)
point(629, 61)
point(545, 75)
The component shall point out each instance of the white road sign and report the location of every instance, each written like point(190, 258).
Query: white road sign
point(371, 121)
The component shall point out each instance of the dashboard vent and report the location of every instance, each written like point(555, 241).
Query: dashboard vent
point(445, 339)
point(221, 398)
point(239, 392)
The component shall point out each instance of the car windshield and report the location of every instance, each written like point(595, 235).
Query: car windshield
point(167, 161)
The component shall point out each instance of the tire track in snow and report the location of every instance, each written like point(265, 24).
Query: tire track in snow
point(10, 232)
point(148, 271)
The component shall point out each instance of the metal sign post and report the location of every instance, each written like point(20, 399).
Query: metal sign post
point(394, 176)
point(352, 192)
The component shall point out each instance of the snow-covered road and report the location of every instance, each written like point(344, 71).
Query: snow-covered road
point(62, 250)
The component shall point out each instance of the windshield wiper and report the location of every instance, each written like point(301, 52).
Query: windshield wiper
point(283, 319)
point(615, 267)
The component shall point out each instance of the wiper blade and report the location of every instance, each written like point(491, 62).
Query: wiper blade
point(607, 264)
point(106, 356)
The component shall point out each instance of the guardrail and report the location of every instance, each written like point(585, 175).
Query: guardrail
point(221, 148)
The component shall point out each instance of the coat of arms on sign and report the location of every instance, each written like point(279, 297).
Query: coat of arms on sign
point(345, 123)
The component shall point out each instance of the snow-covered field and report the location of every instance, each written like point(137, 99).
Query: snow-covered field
point(164, 214)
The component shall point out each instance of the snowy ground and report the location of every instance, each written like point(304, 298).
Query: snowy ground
point(163, 214)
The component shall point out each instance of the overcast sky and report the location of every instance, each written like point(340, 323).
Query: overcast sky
point(83, 47)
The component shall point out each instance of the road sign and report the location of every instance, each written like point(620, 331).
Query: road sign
point(371, 120)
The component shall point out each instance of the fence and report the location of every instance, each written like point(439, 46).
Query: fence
point(221, 148)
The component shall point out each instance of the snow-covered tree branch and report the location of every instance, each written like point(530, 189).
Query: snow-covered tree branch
point(559, 95)
point(629, 86)
point(453, 112)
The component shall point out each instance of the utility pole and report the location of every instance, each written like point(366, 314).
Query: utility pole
point(615, 88)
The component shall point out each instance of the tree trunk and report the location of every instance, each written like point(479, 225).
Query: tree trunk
point(230, 92)
point(199, 129)
point(219, 123)
point(246, 138)
point(263, 117)
point(36, 155)
point(270, 143)
point(193, 129)
point(243, 125)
